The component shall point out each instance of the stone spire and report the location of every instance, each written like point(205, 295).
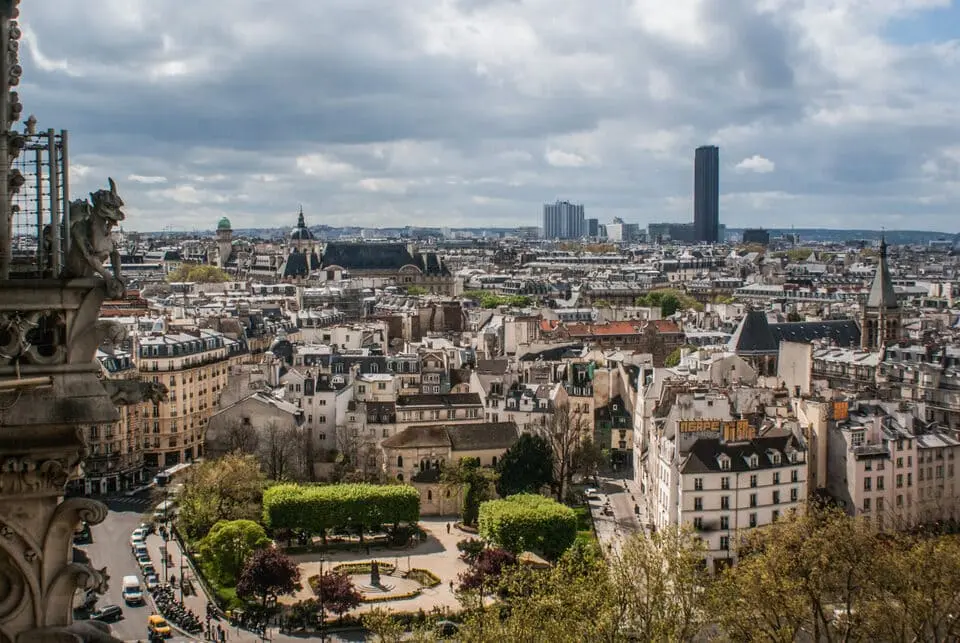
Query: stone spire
point(300, 221)
point(882, 295)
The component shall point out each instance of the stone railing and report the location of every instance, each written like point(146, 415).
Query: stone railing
point(49, 391)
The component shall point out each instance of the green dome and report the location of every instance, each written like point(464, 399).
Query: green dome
point(224, 224)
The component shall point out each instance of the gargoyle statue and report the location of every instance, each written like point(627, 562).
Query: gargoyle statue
point(91, 240)
point(127, 392)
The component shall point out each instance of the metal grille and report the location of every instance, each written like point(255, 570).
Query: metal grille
point(40, 202)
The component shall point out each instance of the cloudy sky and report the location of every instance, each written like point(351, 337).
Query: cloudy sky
point(828, 113)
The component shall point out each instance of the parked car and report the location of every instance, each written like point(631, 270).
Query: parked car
point(138, 536)
point(591, 494)
point(140, 549)
point(107, 614)
point(147, 569)
point(147, 528)
point(142, 560)
point(157, 625)
point(151, 581)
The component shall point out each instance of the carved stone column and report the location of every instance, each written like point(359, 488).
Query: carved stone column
point(49, 391)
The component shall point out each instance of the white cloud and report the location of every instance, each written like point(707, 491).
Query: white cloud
point(756, 163)
point(561, 158)
point(475, 112)
point(148, 180)
point(324, 167)
point(382, 185)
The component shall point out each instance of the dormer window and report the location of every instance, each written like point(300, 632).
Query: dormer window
point(774, 456)
point(724, 461)
point(753, 461)
point(792, 456)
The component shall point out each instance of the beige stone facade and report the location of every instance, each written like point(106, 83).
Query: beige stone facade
point(194, 368)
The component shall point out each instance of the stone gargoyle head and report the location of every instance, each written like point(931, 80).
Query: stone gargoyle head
point(107, 203)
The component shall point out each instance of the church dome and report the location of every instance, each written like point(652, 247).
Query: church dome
point(224, 224)
point(301, 232)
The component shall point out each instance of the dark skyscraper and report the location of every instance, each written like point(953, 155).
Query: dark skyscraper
point(706, 193)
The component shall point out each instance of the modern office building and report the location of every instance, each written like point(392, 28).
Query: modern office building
point(756, 235)
point(621, 232)
point(563, 220)
point(593, 228)
point(706, 194)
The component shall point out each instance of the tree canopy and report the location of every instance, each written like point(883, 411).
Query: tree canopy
point(228, 488)
point(529, 522)
point(228, 545)
point(267, 574)
point(669, 301)
point(526, 467)
point(318, 508)
point(198, 273)
point(474, 483)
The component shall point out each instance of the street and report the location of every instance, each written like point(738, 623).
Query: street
point(614, 517)
point(110, 547)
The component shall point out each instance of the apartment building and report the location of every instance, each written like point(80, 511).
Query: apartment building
point(893, 468)
point(194, 366)
point(115, 459)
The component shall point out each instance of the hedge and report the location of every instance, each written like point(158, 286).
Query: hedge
point(319, 508)
point(423, 576)
point(529, 522)
point(364, 568)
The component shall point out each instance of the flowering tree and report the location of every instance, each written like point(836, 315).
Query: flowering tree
point(267, 574)
point(336, 592)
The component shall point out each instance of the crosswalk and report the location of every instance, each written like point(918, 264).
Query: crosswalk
point(119, 502)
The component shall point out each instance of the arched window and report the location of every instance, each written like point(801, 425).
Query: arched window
point(399, 460)
point(429, 495)
point(400, 477)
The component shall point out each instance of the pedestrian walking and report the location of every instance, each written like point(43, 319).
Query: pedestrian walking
point(448, 527)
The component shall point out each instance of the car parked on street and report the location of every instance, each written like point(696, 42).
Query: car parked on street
point(151, 581)
point(138, 536)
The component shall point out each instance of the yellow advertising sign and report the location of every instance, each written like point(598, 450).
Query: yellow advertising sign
point(841, 410)
point(731, 430)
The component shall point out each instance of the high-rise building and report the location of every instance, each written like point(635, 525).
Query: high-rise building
point(593, 228)
point(563, 220)
point(706, 194)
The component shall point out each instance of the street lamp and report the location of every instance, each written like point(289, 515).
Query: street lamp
point(323, 619)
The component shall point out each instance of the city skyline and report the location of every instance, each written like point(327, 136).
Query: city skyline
point(476, 113)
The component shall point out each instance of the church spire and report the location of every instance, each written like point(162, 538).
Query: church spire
point(300, 222)
point(882, 295)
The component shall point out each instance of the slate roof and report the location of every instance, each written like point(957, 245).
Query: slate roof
point(756, 336)
point(367, 256)
point(845, 333)
point(753, 335)
point(703, 454)
point(450, 399)
point(299, 264)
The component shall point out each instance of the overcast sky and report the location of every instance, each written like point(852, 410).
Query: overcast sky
point(828, 113)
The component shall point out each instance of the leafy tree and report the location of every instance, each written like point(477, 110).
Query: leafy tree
point(794, 316)
point(383, 626)
point(529, 522)
point(416, 290)
point(657, 585)
point(474, 481)
point(229, 488)
point(229, 544)
point(527, 466)
point(470, 549)
point(201, 274)
point(669, 304)
point(673, 359)
point(267, 574)
point(793, 575)
point(335, 591)
point(484, 574)
point(319, 508)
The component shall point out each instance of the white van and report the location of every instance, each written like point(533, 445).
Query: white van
point(164, 511)
point(132, 592)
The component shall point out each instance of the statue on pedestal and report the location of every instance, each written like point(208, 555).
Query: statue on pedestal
point(375, 574)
